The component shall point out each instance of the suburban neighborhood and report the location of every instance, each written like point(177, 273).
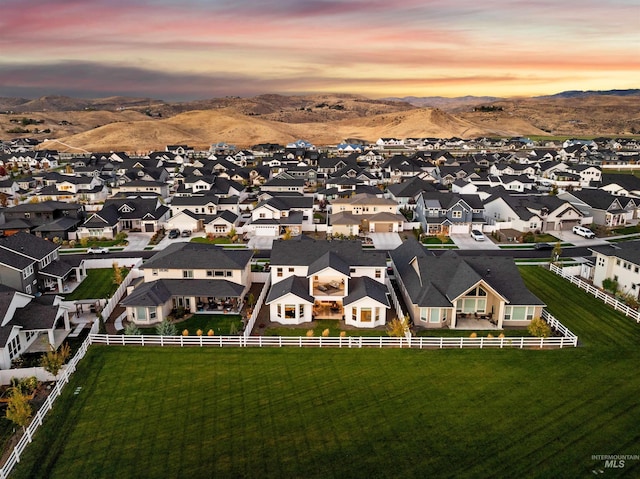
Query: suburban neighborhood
point(400, 243)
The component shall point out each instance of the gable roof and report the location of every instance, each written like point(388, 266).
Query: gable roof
point(307, 251)
point(365, 287)
point(436, 281)
point(28, 245)
point(296, 285)
point(198, 256)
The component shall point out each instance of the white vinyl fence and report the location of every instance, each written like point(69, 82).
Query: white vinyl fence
point(419, 342)
point(394, 299)
point(36, 422)
point(256, 308)
point(117, 296)
point(598, 293)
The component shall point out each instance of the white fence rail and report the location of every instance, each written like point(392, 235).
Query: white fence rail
point(598, 293)
point(117, 296)
point(20, 373)
point(394, 299)
point(37, 420)
point(256, 308)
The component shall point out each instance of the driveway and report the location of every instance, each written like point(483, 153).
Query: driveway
point(137, 241)
point(387, 241)
point(465, 241)
point(260, 242)
point(570, 237)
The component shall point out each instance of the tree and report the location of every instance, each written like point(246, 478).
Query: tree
point(53, 361)
point(117, 274)
point(18, 408)
point(557, 251)
point(4, 201)
point(398, 327)
point(166, 328)
point(610, 284)
point(538, 327)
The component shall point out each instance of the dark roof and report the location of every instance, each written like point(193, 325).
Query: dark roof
point(627, 250)
point(57, 268)
point(598, 199)
point(443, 278)
point(155, 293)
point(307, 251)
point(28, 245)
point(365, 287)
point(331, 260)
point(198, 256)
point(295, 285)
point(61, 224)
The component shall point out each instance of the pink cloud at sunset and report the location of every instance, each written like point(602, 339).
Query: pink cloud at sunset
point(198, 49)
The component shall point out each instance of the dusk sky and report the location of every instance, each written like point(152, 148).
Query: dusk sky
point(196, 49)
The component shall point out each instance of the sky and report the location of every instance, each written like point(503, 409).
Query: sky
point(179, 50)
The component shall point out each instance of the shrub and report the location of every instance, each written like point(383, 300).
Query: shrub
point(210, 332)
point(325, 333)
point(199, 332)
point(166, 328)
point(310, 333)
point(185, 332)
point(343, 334)
point(489, 336)
point(131, 329)
point(54, 359)
point(473, 335)
point(501, 335)
point(539, 328)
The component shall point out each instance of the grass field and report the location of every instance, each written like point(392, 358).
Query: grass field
point(317, 413)
point(98, 284)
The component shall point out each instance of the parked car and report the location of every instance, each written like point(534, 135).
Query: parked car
point(477, 235)
point(543, 246)
point(98, 250)
point(584, 232)
point(186, 233)
point(175, 233)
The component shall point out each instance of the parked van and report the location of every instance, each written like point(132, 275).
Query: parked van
point(582, 231)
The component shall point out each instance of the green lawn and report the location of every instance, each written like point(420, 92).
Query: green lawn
point(350, 413)
point(220, 323)
point(98, 284)
point(217, 240)
point(319, 325)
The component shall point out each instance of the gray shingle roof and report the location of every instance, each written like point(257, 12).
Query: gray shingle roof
point(198, 256)
point(28, 245)
point(306, 251)
point(295, 285)
point(365, 287)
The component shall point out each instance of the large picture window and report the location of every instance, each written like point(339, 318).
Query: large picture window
point(290, 311)
point(365, 315)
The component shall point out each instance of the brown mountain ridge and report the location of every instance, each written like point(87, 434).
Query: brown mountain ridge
point(140, 124)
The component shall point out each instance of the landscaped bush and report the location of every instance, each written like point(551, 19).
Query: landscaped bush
point(538, 327)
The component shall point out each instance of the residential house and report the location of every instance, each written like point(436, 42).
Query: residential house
point(280, 214)
point(449, 213)
point(327, 280)
point(32, 265)
point(448, 290)
point(620, 185)
point(195, 277)
point(604, 208)
point(618, 262)
point(365, 213)
point(26, 319)
point(532, 213)
point(47, 219)
point(125, 214)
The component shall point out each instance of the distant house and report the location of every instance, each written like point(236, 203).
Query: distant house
point(605, 209)
point(327, 280)
point(440, 291)
point(363, 213)
point(449, 213)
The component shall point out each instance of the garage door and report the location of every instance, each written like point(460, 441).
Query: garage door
point(567, 225)
point(459, 229)
point(148, 227)
point(382, 228)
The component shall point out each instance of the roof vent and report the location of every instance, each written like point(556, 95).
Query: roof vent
point(488, 272)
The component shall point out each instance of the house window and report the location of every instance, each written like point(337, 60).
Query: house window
point(218, 273)
point(456, 214)
point(152, 314)
point(187, 273)
point(290, 311)
point(154, 272)
point(352, 270)
point(141, 313)
point(279, 310)
point(377, 314)
point(354, 314)
point(27, 289)
point(301, 310)
point(434, 315)
point(423, 314)
point(28, 271)
point(279, 273)
point(291, 270)
point(14, 347)
point(365, 315)
point(378, 274)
